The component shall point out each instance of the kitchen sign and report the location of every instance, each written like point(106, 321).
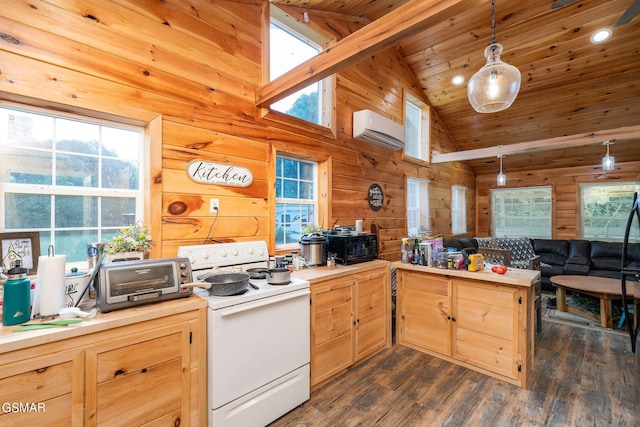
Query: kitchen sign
point(216, 173)
point(376, 197)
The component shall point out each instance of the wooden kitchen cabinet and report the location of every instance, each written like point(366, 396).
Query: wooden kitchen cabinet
point(480, 324)
point(373, 312)
point(136, 368)
point(332, 328)
point(49, 387)
point(423, 305)
point(350, 320)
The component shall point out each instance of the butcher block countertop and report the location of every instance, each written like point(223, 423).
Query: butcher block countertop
point(10, 341)
point(513, 276)
point(320, 274)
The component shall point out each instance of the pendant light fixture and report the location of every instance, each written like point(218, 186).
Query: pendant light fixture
point(495, 86)
point(502, 178)
point(608, 162)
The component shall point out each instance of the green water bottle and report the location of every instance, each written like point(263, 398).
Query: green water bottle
point(17, 297)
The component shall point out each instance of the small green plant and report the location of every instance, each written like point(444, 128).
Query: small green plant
point(312, 229)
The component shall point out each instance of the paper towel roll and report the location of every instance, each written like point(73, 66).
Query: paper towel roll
point(358, 226)
point(50, 284)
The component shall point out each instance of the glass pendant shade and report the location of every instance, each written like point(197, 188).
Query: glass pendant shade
point(502, 179)
point(608, 162)
point(495, 86)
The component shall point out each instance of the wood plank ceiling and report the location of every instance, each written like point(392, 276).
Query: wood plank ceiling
point(574, 93)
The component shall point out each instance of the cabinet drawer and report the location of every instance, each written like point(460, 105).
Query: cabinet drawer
point(37, 385)
point(52, 413)
point(136, 357)
point(143, 396)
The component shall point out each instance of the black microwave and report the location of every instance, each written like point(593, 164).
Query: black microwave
point(352, 249)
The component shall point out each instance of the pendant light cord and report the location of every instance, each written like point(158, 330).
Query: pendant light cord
point(494, 40)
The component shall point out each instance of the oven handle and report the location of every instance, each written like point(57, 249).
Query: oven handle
point(262, 302)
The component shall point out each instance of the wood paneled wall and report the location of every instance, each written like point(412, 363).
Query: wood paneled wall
point(193, 67)
point(565, 190)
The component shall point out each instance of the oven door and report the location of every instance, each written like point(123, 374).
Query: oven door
point(256, 343)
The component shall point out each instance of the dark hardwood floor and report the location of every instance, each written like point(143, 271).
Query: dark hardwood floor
point(583, 376)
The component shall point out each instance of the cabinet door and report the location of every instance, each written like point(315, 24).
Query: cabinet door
point(485, 329)
point(331, 328)
point(423, 312)
point(373, 315)
point(45, 390)
point(140, 378)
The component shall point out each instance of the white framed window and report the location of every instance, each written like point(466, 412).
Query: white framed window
point(296, 199)
point(71, 178)
point(522, 212)
point(605, 210)
point(288, 48)
point(417, 206)
point(416, 128)
point(458, 210)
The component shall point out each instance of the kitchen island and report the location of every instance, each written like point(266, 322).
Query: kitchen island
point(127, 367)
point(480, 320)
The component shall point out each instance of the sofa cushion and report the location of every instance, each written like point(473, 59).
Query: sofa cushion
point(551, 251)
point(576, 269)
point(579, 252)
point(606, 256)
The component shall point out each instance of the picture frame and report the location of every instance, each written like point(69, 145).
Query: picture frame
point(20, 249)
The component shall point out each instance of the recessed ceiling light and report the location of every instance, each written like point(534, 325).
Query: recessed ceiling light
point(457, 80)
point(601, 35)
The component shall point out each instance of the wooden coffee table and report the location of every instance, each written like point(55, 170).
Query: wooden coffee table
point(599, 287)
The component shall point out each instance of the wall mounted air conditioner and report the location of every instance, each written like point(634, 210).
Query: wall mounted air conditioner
point(372, 127)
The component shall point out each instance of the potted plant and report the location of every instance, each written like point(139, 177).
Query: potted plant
point(132, 243)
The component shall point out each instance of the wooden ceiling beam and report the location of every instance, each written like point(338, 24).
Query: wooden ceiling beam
point(559, 143)
point(379, 35)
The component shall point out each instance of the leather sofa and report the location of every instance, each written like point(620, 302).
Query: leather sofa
point(576, 257)
point(582, 257)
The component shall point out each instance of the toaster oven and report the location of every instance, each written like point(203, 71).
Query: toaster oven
point(130, 283)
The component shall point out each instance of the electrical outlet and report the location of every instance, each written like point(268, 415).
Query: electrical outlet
point(214, 206)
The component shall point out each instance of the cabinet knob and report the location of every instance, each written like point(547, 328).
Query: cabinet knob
point(118, 373)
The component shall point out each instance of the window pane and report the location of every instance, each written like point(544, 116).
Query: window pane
point(120, 143)
point(605, 210)
point(290, 168)
point(524, 212)
point(73, 243)
point(74, 211)
point(118, 211)
point(27, 211)
point(77, 171)
point(26, 166)
point(287, 50)
point(25, 129)
point(458, 210)
point(290, 189)
point(417, 207)
point(119, 174)
point(412, 126)
point(77, 137)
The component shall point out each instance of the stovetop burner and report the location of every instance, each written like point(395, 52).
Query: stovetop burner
point(282, 283)
point(244, 291)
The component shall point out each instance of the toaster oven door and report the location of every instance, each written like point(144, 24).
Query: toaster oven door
point(123, 283)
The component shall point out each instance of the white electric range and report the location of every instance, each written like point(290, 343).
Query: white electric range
point(258, 342)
